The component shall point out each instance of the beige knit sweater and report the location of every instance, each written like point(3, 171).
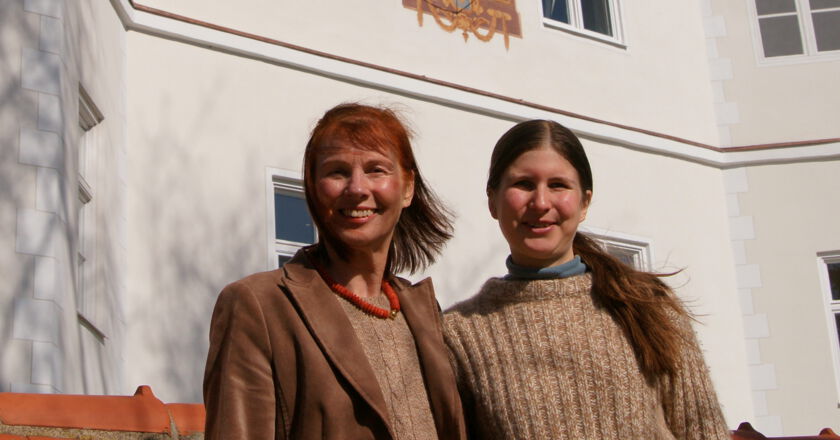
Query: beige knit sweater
point(540, 360)
point(392, 354)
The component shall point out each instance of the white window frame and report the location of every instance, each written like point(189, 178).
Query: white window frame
point(806, 30)
point(93, 358)
point(283, 181)
point(83, 249)
point(832, 307)
point(640, 247)
point(89, 118)
point(576, 23)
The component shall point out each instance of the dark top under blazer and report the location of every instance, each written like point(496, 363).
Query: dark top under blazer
point(285, 363)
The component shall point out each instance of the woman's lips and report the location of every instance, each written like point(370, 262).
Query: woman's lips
point(539, 227)
point(358, 213)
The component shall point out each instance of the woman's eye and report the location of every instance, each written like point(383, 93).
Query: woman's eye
point(378, 170)
point(523, 184)
point(558, 185)
point(335, 172)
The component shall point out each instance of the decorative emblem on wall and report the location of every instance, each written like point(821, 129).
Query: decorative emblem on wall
point(481, 18)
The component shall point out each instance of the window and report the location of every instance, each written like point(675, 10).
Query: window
point(629, 254)
point(91, 337)
point(596, 18)
point(92, 345)
point(83, 249)
point(291, 225)
point(89, 117)
point(830, 279)
point(833, 270)
point(798, 27)
point(630, 250)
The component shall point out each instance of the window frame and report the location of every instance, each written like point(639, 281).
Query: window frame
point(575, 25)
point(831, 308)
point(641, 247)
point(289, 182)
point(804, 16)
point(83, 252)
point(93, 358)
point(89, 119)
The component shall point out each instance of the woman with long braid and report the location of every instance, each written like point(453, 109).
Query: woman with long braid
point(571, 343)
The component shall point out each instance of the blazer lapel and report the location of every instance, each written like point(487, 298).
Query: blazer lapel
point(330, 327)
point(420, 309)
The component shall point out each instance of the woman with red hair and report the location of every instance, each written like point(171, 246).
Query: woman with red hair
point(333, 345)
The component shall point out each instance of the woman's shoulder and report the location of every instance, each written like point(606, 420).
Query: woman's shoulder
point(474, 304)
point(259, 278)
point(294, 273)
point(497, 292)
point(256, 285)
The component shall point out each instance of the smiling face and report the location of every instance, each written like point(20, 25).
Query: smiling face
point(360, 194)
point(539, 203)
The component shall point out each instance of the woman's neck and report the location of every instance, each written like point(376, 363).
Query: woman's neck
point(359, 272)
point(570, 268)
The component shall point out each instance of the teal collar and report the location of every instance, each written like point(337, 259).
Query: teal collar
point(567, 269)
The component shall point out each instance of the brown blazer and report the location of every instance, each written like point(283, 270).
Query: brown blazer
point(285, 363)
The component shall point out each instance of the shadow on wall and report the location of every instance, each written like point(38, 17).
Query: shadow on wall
point(193, 228)
point(18, 107)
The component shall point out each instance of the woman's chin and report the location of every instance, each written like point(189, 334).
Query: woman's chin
point(363, 242)
point(539, 257)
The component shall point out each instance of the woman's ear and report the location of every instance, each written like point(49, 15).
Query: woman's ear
point(585, 201)
point(408, 192)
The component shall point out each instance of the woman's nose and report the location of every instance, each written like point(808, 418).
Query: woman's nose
point(357, 184)
point(539, 199)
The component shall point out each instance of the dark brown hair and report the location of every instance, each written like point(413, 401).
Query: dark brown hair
point(425, 225)
point(643, 305)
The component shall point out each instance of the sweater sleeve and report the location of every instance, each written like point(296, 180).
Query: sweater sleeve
point(239, 390)
point(690, 404)
point(457, 357)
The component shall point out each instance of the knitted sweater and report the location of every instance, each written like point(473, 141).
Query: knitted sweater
point(538, 359)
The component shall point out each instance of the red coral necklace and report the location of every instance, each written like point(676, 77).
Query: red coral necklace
point(356, 300)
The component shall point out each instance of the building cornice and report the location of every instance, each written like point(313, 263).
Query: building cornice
point(152, 21)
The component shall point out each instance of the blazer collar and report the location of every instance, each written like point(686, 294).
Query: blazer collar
point(422, 313)
point(328, 323)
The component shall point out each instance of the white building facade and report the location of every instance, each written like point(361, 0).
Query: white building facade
point(152, 152)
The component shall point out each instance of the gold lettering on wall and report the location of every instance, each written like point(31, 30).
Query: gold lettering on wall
point(481, 18)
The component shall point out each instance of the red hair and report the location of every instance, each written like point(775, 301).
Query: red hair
point(425, 225)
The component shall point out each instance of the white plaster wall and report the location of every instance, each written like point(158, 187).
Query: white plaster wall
point(776, 100)
point(198, 149)
point(794, 210)
point(34, 153)
point(659, 81)
point(50, 44)
point(100, 57)
point(17, 107)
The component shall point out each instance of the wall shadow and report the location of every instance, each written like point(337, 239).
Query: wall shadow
point(16, 109)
